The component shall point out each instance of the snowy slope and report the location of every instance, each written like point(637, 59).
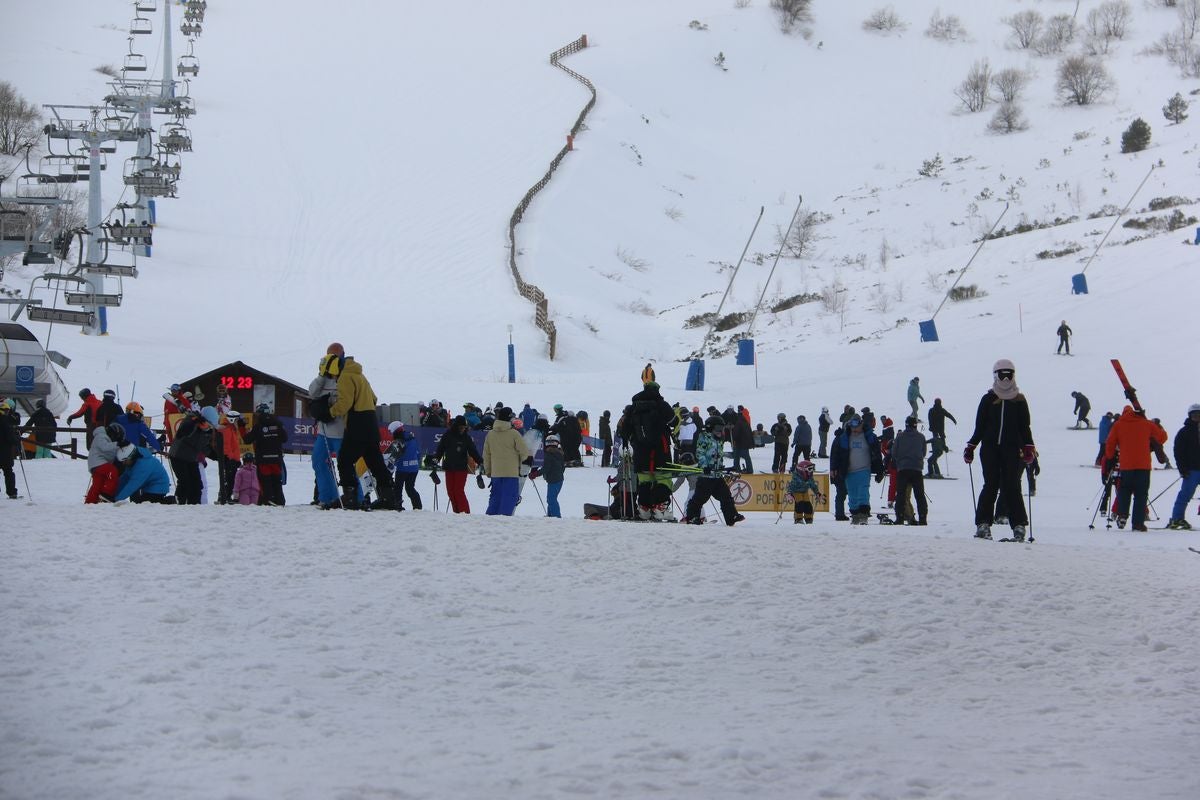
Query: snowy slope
point(354, 171)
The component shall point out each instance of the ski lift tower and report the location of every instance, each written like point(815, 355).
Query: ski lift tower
point(126, 118)
point(94, 135)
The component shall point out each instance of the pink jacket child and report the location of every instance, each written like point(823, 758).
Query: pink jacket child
point(246, 489)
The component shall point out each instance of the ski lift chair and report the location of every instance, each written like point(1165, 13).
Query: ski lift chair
point(134, 62)
point(140, 26)
point(31, 190)
point(149, 6)
point(36, 309)
point(188, 65)
point(15, 226)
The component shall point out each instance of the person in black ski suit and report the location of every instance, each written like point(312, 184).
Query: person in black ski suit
point(42, 423)
point(782, 432)
point(1083, 407)
point(194, 440)
point(838, 481)
point(10, 440)
point(646, 426)
point(937, 429)
point(606, 436)
point(741, 437)
point(1064, 337)
point(268, 437)
point(1002, 426)
point(566, 425)
point(108, 410)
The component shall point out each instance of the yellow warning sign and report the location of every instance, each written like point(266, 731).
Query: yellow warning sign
point(769, 493)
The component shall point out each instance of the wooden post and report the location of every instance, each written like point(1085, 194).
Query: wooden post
point(570, 142)
point(583, 39)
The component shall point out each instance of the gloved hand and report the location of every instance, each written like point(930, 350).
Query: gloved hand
point(1028, 453)
point(534, 473)
point(479, 480)
point(879, 477)
point(430, 462)
point(969, 453)
point(433, 476)
point(233, 496)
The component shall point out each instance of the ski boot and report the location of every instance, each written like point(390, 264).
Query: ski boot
point(1018, 533)
point(1179, 525)
point(1121, 522)
point(983, 531)
point(859, 517)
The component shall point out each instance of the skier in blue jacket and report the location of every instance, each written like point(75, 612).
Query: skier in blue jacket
point(404, 456)
point(143, 479)
point(137, 432)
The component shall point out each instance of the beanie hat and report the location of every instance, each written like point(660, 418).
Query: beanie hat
point(1003, 363)
point(505, 414)
point(1193, 408)
point(459, 420)
point(517, 424)
point(910, 422)
point(209, 414)
point(395, 426)
point(552, 440)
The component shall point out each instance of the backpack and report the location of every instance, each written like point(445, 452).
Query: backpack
point(318, 408)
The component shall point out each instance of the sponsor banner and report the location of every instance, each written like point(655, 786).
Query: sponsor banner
point(769, 492)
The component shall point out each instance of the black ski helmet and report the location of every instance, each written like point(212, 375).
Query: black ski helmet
point(115, 431)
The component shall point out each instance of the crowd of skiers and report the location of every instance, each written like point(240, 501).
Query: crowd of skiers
point(655, 445)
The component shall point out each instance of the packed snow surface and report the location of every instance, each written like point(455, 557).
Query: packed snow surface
point(245, 652)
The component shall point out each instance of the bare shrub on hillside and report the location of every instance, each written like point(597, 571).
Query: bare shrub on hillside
point(1082, 80)
point(884, 20)
point(741, 3)
point(630, 259)
point(1189, 18)
point(804, 235)
point(1008, 119)
point(833, 297)
point(109, 70)
point(973, 91)
point(19, 120)
point(792, 13)
point(1026, 27)
point(960, 293)
point(1105, 25)
point(1111, 20)
point(946, 29)
point(1009, 83)
point(1059, 32)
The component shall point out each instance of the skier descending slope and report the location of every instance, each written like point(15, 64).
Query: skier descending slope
point(1002, 427)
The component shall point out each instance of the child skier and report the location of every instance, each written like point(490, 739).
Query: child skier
point(246, 488)
point(804, 491)
point(404, 456)
point(553, 470)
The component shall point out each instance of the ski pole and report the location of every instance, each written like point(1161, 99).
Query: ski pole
point(1103, 502)
point(974, 500)
point(1029, 512)
point(24, 477)
point(1164, 491)
point(538, 492)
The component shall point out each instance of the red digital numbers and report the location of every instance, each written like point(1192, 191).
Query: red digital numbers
point(237, 381)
